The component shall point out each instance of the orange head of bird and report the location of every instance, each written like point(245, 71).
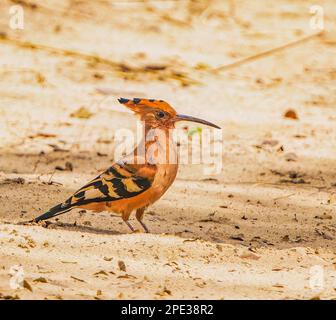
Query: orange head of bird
point(158, 113)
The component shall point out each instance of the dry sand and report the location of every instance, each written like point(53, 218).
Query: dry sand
point(264, 227)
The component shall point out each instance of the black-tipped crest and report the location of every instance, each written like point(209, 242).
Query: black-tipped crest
point(123, 100)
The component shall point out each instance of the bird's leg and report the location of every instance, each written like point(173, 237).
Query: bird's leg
point(139, 215)
point(144, 226)
point(125, 217)
point(129, 225)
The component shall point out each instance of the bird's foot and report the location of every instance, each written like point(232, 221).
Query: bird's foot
point(130, 226)
point(144, 226)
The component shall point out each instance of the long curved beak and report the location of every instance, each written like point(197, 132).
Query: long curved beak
point(182, 117)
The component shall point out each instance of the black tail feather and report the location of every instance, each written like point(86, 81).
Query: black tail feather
point(53, 212)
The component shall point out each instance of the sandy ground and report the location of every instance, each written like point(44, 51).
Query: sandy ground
point(264, 227)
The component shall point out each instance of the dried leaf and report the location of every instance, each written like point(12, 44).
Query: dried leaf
point(122, 266)
point(291, 156)
point(9, 297)
point(126, 276)
point(27, 286)
point(101, 272)
point(239, 237)
point(271, 143)
point(164, 292)
point(202, 66)
point(325, 234)
point(68, 166)
point(77, 279)
point(81, 113)
point(219, 247)
point(250, 256)
point(324, 216)
point(43, 135)
point(291, 114)
point(41, 280)
point(191, 240)
point(18, 180)
point(108, 259)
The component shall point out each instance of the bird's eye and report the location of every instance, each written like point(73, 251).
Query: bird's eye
point(160, 114)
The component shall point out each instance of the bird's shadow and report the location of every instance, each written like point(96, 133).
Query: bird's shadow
point(73, 227)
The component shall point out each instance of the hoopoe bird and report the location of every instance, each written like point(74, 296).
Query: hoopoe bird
point(139, 179)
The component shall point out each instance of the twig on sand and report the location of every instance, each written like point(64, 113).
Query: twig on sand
point(284, 197)
point(65, 52)
point(267, 53)
point(50, 181)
